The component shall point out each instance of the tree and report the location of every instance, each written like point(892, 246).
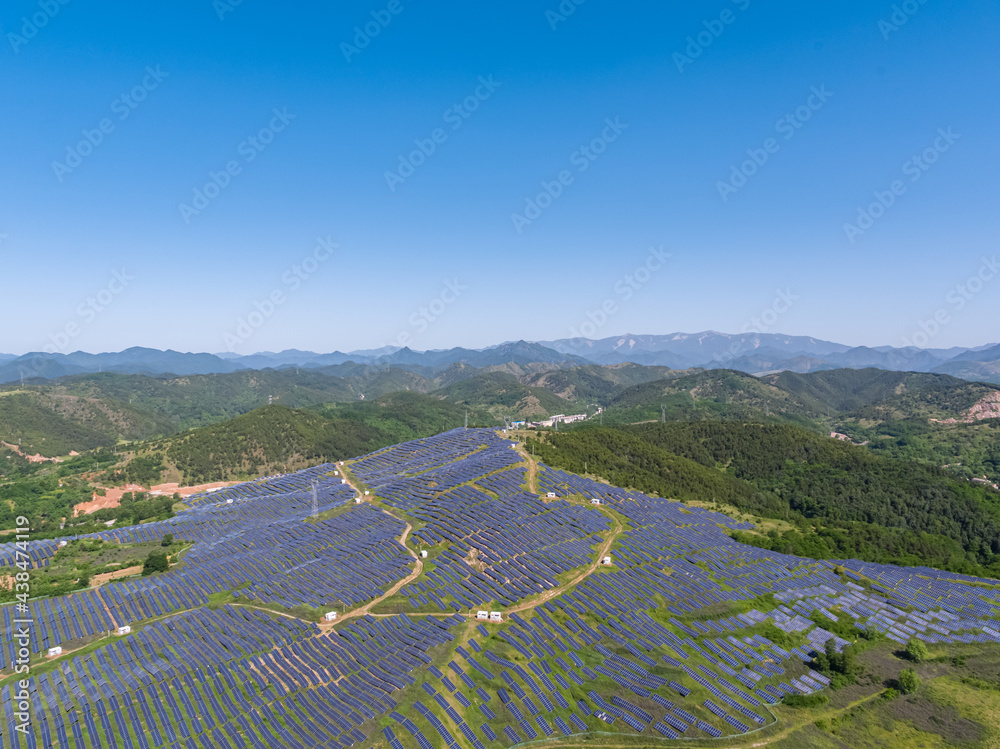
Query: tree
point(84, 581)
point(916, 650)
point(909, 682)
point(167, 540)
point(155, 562)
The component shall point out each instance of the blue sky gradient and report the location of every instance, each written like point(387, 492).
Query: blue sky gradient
point(443, 238)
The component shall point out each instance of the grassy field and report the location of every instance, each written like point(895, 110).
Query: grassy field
point(89, 562)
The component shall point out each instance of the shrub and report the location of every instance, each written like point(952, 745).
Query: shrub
point(909, 682)
point(916, 650)
point(155, 562)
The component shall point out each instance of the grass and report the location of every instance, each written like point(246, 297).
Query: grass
point(86, 559)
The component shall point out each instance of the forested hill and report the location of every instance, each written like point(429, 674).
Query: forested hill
point(278, 439)
point(843, 500)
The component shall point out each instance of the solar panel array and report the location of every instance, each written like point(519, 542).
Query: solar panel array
point(625, 649)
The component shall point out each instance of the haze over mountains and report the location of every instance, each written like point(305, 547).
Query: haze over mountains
point(755, 353)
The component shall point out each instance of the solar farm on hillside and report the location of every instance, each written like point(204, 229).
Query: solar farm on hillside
point(602, 608)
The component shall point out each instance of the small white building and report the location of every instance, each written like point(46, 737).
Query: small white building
point(606, 561)
point(484, 615)
point(57, 650)
point(125, 629)
point(63, 544)
point(229, 501)
point(550, 495)
point(367, 492)
point(340, 463)
point(357, 500)
point(595, 501)
point(423, 553)
point(330, 616)
point(496, 616)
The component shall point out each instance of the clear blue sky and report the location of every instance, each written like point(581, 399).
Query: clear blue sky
point(70, 222)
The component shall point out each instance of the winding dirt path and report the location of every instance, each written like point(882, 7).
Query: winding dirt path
point(417, 571)
point(534, 602)
point(532, 468)
point(559, 590)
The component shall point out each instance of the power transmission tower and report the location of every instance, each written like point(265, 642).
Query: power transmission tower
point(663, 414)
point(466, 419)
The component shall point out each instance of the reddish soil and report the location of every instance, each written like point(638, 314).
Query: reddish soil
point(113, 496)
point(108, 576)
point(36, 458)
point(187, 491)
point(987, 408)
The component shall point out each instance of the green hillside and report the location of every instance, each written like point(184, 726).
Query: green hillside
point(279, 439)
point(54, 424)
point(844, 500)
point(715, 395)
point(503, 396)
point(199, 400)
point(596, 384)
point(878, 394)
point(900, 414)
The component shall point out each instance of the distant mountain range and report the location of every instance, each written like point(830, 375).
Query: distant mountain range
point(754, 353)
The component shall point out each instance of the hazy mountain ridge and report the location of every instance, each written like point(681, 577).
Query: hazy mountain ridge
point(755, 353)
